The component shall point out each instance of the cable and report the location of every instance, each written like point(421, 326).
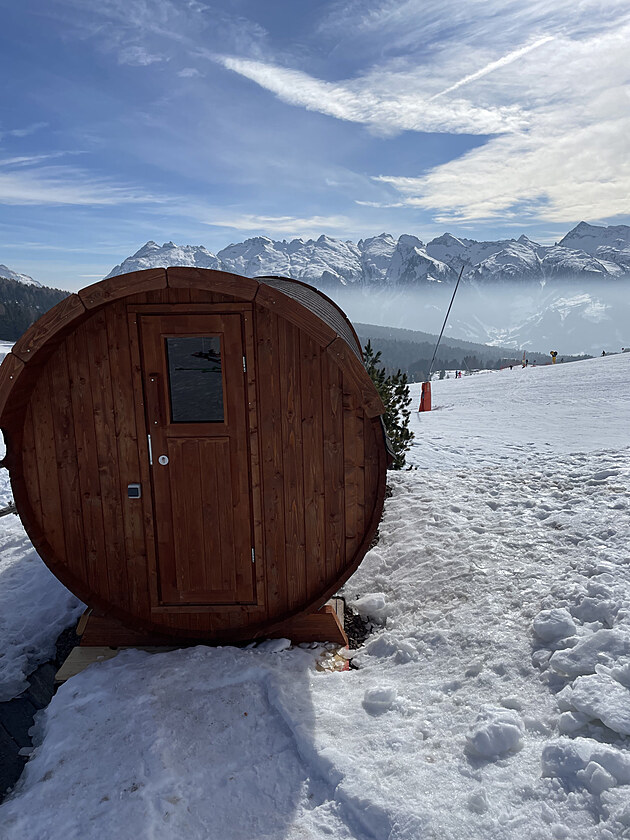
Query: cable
point(444, 324)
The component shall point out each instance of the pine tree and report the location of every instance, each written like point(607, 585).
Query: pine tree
point(394, 391)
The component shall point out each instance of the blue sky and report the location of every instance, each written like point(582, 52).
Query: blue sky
point(207, 123)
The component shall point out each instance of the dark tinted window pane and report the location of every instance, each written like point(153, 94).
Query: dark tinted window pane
point(195, 382)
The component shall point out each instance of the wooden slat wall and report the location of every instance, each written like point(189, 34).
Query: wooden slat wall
point(318, 494)
point(318, 463)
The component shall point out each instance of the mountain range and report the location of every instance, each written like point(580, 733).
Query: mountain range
point(571, 296)
point(587, 252)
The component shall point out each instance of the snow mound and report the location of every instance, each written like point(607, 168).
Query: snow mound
point(373, 606)
point(599, 647)
point(379, 700)
point(600, 697)
point(551, 625)
point(497, 732)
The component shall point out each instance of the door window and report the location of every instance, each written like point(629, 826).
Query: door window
point(195, 379)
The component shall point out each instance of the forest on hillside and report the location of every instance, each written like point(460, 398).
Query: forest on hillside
point(22, 304)
point(414, 357)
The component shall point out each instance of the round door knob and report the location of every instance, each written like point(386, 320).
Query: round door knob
point(163, 459)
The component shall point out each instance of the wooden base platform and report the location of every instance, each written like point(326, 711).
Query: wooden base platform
point(102, 637)
point(325, 625)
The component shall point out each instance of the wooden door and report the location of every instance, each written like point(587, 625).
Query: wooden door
point(193, 370)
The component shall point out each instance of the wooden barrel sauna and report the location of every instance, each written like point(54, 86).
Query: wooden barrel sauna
point(197, 455)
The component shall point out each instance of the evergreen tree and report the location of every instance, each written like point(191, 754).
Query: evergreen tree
point(394, 391)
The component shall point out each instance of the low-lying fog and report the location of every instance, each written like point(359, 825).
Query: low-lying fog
point(571, 317)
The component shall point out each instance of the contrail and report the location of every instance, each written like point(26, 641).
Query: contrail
point(494, 65)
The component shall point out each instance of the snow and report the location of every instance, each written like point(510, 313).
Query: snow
point(490, 700)
point(34, 606)
point(14, 275)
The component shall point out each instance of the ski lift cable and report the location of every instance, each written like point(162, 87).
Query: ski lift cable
point(448, 311)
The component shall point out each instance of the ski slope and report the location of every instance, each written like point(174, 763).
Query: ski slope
point(491, 701)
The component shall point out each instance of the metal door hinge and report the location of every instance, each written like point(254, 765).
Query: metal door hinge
point(150, 451)
point(244, 365)
point(253, 556)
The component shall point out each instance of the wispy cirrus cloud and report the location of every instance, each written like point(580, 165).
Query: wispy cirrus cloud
point(32, 180)
point(137, 56)
point(24, 131)
point(278, 225)
point(384, 110)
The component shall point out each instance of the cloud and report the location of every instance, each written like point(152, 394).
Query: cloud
point(571, 164)
point(380, 204)
point(188, 73)
point(287, 225)
point(494, 65)
point(23, 181)
point(23, 132)
point(137, 56)
point(385, 110)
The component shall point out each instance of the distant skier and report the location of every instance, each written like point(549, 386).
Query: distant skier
point(603, 352)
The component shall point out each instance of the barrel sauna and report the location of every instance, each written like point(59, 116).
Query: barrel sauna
point(198, 456)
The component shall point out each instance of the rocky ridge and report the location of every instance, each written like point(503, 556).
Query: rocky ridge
point(587, 251)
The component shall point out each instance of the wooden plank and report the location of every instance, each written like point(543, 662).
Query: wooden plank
point(313, 466)
point(242, 288)
point(143, 462)
point(153, 375)
point(87, 461)
point(46, 463)
point(270, 419)
point(118, 343)
point(50, 326)
point(334, 475)
point(288, 349)
point(371, 428)
point(240, 521)
point(358, 376)
point(321, 626)
point(289, 309)
point(82, 657)
point(184, 468)
point(106, 630)
point(209, 304)
point(234, 536)
point(29, 470)
point(354, 472)
point(212, 497)
point(122, 286)
point(254, 458)
point(66, 460)
point(13, 395)
point(226, 301)
point(107, 459)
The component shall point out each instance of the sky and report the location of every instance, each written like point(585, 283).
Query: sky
point(208, 123)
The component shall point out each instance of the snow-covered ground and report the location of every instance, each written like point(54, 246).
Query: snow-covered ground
point(491, 702)
point(34, 606)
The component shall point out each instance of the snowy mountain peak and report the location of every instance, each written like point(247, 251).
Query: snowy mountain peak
point(407, 240)
point(151, 255)
point(589, 238)
point(525, 240)
point(9, 274)
point(382, 261)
